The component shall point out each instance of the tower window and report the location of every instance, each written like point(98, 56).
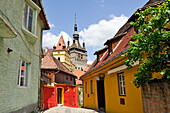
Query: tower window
point(59, 44)
point(58, 58)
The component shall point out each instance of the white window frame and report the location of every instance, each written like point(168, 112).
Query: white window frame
point(26, 72)
point(121, 80)
point(27, 18)
point(31, 36)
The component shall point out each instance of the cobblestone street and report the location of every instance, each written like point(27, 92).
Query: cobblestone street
point(63, 109)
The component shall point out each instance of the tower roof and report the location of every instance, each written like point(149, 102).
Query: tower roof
point(61, 44)
point(76, 43)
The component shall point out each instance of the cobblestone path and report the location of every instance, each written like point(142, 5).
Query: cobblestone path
point(64, 109)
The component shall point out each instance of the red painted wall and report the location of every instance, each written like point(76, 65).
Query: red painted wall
point(49, 97)
point(71, 96)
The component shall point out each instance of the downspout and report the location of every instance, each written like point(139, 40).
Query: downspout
point(39, 76)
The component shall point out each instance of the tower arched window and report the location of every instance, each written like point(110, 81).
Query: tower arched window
point(58, 58)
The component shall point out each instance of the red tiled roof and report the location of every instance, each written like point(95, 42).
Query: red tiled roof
point(78, 73)
point(116, 36)
point(87, 68)
point(48, 51)
point(49, 62)
point(101, 50)
point(123, 45)
point(61, 44)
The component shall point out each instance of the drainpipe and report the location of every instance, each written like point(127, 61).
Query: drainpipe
point(39, 76)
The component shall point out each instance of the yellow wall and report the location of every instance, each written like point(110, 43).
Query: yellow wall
point(133, 99)
point(91, 101)
point(64, 58)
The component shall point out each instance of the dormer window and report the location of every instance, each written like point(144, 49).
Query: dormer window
point(110, 48)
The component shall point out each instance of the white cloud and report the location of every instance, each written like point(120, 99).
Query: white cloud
point(102, 1)
point(89, 62)
point(51, 25)
point(96, 34)
point(49, 39)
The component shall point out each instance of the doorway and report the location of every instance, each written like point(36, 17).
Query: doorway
point(59, 96)
point(101, 95)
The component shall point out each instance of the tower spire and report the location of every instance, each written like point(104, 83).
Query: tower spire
point(75, 35)
point(75, 18)
point(75, 25)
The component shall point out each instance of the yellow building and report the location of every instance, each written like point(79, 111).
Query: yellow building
point(60, 52)
point(107, 84)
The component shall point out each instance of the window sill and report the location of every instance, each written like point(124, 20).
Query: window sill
point(30, 37)
point(22, 86)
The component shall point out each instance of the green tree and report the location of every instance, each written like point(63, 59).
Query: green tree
point(151, 45)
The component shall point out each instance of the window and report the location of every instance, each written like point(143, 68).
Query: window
point(66, 77)
point(49, 72)
point(59, 44)
point(91, 86)
point(78, 55)
point(58, 58)
point(23, 73)
point(86, 86)
point(28, 18)
point(81, 56)
point(71, 78)
point(64, 47)
point(121, 81)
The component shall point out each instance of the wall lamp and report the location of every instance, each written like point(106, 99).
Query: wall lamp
point(9, 50)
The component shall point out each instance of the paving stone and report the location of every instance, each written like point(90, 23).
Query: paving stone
point(63, 109)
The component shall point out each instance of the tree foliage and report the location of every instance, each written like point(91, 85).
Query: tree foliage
point(151, 45)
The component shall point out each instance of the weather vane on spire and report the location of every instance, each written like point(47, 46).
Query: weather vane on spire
point(75, 18)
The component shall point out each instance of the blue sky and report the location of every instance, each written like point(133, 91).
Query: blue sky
point(97, 20)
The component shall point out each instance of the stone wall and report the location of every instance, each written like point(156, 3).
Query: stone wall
point(156, 97)
point(12, 97)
